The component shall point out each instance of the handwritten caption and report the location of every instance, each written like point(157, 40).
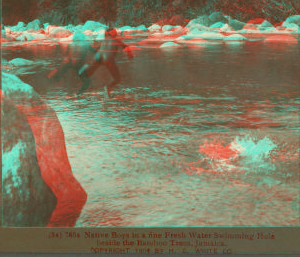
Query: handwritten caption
point(158, 243)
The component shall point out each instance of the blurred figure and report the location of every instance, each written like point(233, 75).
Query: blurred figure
point(76, 59)
point(104, 56)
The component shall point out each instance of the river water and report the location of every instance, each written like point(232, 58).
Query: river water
point(194, 136)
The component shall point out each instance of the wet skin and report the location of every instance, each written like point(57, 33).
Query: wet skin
point(105, 56)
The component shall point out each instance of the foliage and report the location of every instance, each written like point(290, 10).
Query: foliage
point(136, 12)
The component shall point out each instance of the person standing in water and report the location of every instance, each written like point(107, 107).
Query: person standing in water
point(76, 58)
point(105, 56)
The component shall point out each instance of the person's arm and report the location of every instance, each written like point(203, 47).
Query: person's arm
point(128, 51)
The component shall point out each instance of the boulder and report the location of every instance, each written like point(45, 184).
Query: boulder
point(19, 27)
point(226, 28)
point(235, 37)
point(142, 27)
point(200, 27)
point(256, 21)
point(167, 28)
point(57, 32)
point(46, 25)
point(27, 201)
point(291, 27)
point(217, 25)
point(194, 41)
point(100, 35)
point(31, 36)
point(264, 25)
point(178, 29)
point(154, 28)
point(281, 39)
point(169, 44)
point(201, 20)
point(20, 62)
point(294, 19)
point(211, 35)
point(250, 26)
point(216, 17)
point(34, 25)
point(271, 30)
point(51, 156)
point(235, 24)
point(93, 26)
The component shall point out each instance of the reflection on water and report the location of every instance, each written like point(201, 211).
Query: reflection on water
point(194, 136)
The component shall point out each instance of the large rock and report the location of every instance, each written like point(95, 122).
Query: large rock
point(34, 25)
point(290, 27)
point(169, 45)
point(217, 17)
point(196, 26)
point(57, 32)
point(20, 62)
point(294, 19)
point(217, 25)
point(19, 27)
point(235, 24)
point(93, 26)
point(154, 28)
point(256, 21)
point(27, 200)
point(235, 37)
point(265, 25)
point(30, 36)
point(281, 39)
point(201, 20)
point(51, 153)
point(211, 35)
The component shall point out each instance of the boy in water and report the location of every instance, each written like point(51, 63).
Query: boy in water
point(105, 55)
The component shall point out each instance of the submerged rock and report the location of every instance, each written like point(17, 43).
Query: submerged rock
point(20, 62)
point(51, 156)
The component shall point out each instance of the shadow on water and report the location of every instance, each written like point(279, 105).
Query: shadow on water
point(211, 131)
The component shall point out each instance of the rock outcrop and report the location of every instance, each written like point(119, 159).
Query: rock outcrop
point(27, 200)
point(51, 155)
